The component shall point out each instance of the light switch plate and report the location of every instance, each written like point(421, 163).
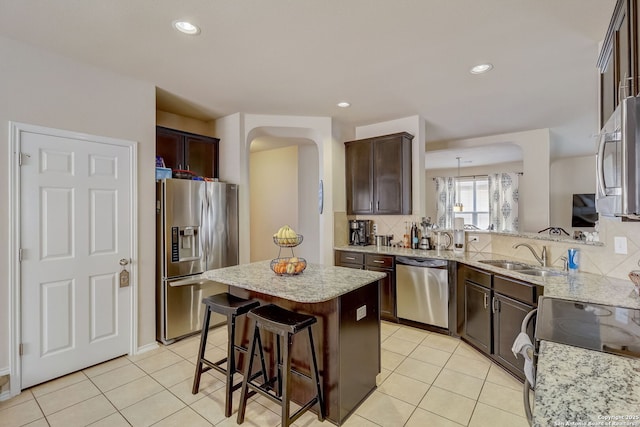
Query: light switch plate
point(361, 313)
point(620, 245)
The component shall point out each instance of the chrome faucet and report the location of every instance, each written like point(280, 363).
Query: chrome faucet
point(541, 259)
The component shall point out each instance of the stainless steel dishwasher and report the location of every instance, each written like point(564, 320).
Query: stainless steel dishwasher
point(422, 287)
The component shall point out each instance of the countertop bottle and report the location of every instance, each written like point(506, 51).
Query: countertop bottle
point(406, 240)
point(414, 236)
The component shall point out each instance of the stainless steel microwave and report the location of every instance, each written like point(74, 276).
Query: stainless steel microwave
point(618, 162)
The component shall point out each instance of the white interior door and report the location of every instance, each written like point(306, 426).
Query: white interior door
point(75, 228)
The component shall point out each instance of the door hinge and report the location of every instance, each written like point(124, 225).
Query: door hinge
point(20, 255)
point(21, 349)
point(21, 156)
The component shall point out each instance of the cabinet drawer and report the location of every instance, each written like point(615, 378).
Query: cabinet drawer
point(349, 265)
point(351, 258)
point(477, 276)
point(380, 261)
point(522, 291)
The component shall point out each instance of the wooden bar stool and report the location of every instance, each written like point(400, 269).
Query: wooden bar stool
point(284, 324)
point(232, 307)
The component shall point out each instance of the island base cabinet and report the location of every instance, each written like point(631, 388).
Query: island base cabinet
point(347, 346)
point(360, 353)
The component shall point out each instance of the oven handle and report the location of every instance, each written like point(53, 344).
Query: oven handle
point(526, 399)
point(600, 165)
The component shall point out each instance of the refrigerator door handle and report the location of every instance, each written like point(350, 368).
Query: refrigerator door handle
point(198, 280)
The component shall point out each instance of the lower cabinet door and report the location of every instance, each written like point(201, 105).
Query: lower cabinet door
point(507, 320)
point(477, 313)
point(387, 294)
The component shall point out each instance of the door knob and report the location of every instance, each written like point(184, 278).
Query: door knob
point(124, 262)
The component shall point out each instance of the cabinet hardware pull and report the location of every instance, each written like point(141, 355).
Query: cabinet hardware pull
point(378, 262)
point(350, 257)
point(486, 301)
point(371, 205)
point(378, 205)
point(495, 305)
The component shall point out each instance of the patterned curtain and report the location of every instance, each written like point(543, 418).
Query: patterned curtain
point(503, 201)
point(445, 199)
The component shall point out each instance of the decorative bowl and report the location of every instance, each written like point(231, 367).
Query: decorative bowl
point(288, 266)
point(288, 242)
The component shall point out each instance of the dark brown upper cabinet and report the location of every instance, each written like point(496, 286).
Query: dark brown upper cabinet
point(379, 175)
point(619, 59)
point(184, 150)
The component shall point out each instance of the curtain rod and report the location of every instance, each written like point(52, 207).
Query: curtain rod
point(478, 176)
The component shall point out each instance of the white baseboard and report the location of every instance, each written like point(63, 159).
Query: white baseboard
point(5, 395)
point(147, 347)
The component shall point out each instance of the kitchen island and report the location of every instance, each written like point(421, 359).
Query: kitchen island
point(347, 335)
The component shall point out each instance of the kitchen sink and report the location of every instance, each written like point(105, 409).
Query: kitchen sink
point(522, 268)
point(508, 265)
point(541, 273)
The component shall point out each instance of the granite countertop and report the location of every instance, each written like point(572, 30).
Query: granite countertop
point(583, 287)
point(317, 283)
point(577, 387)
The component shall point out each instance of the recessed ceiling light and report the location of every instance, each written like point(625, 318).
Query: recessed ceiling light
point(186, 27)
point(481, 68)
point(343, 104)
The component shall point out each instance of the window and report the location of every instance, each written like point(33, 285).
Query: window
point(474, 195)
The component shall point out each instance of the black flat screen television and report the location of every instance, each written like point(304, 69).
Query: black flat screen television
point(584, 210)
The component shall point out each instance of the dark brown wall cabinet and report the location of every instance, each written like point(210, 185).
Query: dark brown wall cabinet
point(492, 308)
point(374, 262)
point(379, 175)
point(184, 150)
point(619, 60)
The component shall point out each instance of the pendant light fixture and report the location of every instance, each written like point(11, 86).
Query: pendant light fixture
point(457, 207)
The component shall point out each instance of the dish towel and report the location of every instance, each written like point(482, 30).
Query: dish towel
point(522, 345)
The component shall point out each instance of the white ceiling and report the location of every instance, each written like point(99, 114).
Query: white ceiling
point(389, 58)
point(490, 154)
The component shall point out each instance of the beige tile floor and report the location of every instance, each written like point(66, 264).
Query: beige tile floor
point(427, 379)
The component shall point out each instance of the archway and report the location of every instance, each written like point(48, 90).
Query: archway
point(283, 186)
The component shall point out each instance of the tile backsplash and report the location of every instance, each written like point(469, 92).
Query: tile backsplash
point(597, 259)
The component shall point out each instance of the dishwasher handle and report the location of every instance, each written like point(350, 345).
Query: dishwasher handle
point(422, 262)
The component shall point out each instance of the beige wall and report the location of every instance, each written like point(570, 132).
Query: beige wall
point(273, 199)
point(185, 124)
point(44, 89)
point(571, 175)
point(237, 131)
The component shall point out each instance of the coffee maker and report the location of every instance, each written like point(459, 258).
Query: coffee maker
point(359, 232)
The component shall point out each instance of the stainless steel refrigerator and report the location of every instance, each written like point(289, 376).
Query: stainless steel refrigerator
point(197, 230)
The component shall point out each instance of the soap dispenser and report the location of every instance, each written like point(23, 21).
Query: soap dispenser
point(458, 236)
